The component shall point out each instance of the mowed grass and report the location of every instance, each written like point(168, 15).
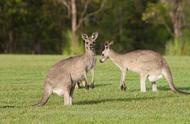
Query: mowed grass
point(21, 81)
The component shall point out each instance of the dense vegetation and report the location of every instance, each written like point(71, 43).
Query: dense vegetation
point(54, 26)
point(21, 80)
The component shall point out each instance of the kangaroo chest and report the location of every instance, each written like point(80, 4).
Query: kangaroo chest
point(91, 64)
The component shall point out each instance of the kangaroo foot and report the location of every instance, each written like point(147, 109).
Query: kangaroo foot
point(87, 87)
point(123, 88)
point(92, 86)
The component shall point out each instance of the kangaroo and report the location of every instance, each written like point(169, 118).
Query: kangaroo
point(147, 63)
point(84, 80)
point(63, 76)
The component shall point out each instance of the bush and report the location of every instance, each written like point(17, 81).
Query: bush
point(69, 49)
point(178, 47)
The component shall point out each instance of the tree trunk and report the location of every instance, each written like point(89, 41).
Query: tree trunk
point(10, 47)
point(176, 16)
point(36, 48)
point(36, 44)
point(74, 40)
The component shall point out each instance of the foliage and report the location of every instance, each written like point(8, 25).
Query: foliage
point(44, 26)
point(34, 26)
point(68, 49)
point(178, 47)
point(21, 86)
point(157, 13)
point(126, 27)
point(160, 13)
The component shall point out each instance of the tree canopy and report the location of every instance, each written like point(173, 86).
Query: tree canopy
point(55, 26)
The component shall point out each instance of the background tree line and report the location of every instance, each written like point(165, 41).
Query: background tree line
point(54, 26)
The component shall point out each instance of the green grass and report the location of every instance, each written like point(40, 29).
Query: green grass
point(21, 80)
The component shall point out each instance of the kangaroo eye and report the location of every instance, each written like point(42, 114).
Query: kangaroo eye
point(102, 54)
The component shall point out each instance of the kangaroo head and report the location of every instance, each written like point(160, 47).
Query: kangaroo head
point(106, 51)
point(90, 41)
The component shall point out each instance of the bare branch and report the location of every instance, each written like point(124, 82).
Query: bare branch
point(83, 18)
point(168, 29)
point(66, 3)
point(82, 14)
point(85, 9)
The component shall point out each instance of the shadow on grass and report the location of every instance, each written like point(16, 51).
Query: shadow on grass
point(165, 88)
point(97, 85)
point(102, 85)
point(119, 99)
point(12, 106)
point(179, 88)
point(7, 106)
point(91, 102)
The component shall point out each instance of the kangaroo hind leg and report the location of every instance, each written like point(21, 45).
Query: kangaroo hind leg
point(154, 87)
point(92, 78)
point(122, 80)
point(67, 98)
point(143, 82)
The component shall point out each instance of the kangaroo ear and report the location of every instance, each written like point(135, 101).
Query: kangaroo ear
point(94, 35)
point(111, 43)
point(84, 36)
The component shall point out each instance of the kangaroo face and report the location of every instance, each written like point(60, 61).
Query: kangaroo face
point(90, 41)
point(105, 52)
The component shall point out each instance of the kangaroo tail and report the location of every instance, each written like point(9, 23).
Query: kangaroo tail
point(168, 76)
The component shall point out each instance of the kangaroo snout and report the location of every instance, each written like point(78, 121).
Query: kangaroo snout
point(101, 61)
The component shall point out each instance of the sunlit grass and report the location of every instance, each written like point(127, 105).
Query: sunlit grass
point(21, 80)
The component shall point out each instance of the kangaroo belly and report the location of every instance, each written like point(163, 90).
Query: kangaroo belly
point(58, 91)
point(153, 78)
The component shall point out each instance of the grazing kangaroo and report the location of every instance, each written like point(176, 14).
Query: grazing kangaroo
point(63, 76)
point(147, 63)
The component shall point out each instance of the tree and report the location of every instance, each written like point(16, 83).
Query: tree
point(169, 13)
point(30, 26)
point(11, 12)
point(53, 26)
point(77, 20)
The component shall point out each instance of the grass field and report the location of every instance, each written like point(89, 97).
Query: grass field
point(21, 80)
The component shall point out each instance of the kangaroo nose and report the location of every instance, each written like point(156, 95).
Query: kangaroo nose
point(101, 61)
point(92, 44)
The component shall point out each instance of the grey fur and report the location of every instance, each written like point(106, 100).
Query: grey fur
point(147, 63)
point(63, 76)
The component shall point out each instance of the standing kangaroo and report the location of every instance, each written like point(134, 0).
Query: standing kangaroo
point(147, 63)
point(63, 76)
point(89, 42)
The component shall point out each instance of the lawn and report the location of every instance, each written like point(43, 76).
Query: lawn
point(21, 80)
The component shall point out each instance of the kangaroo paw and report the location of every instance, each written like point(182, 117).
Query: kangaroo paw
point(92, 85)
point(87, 87)
point(123, 88)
